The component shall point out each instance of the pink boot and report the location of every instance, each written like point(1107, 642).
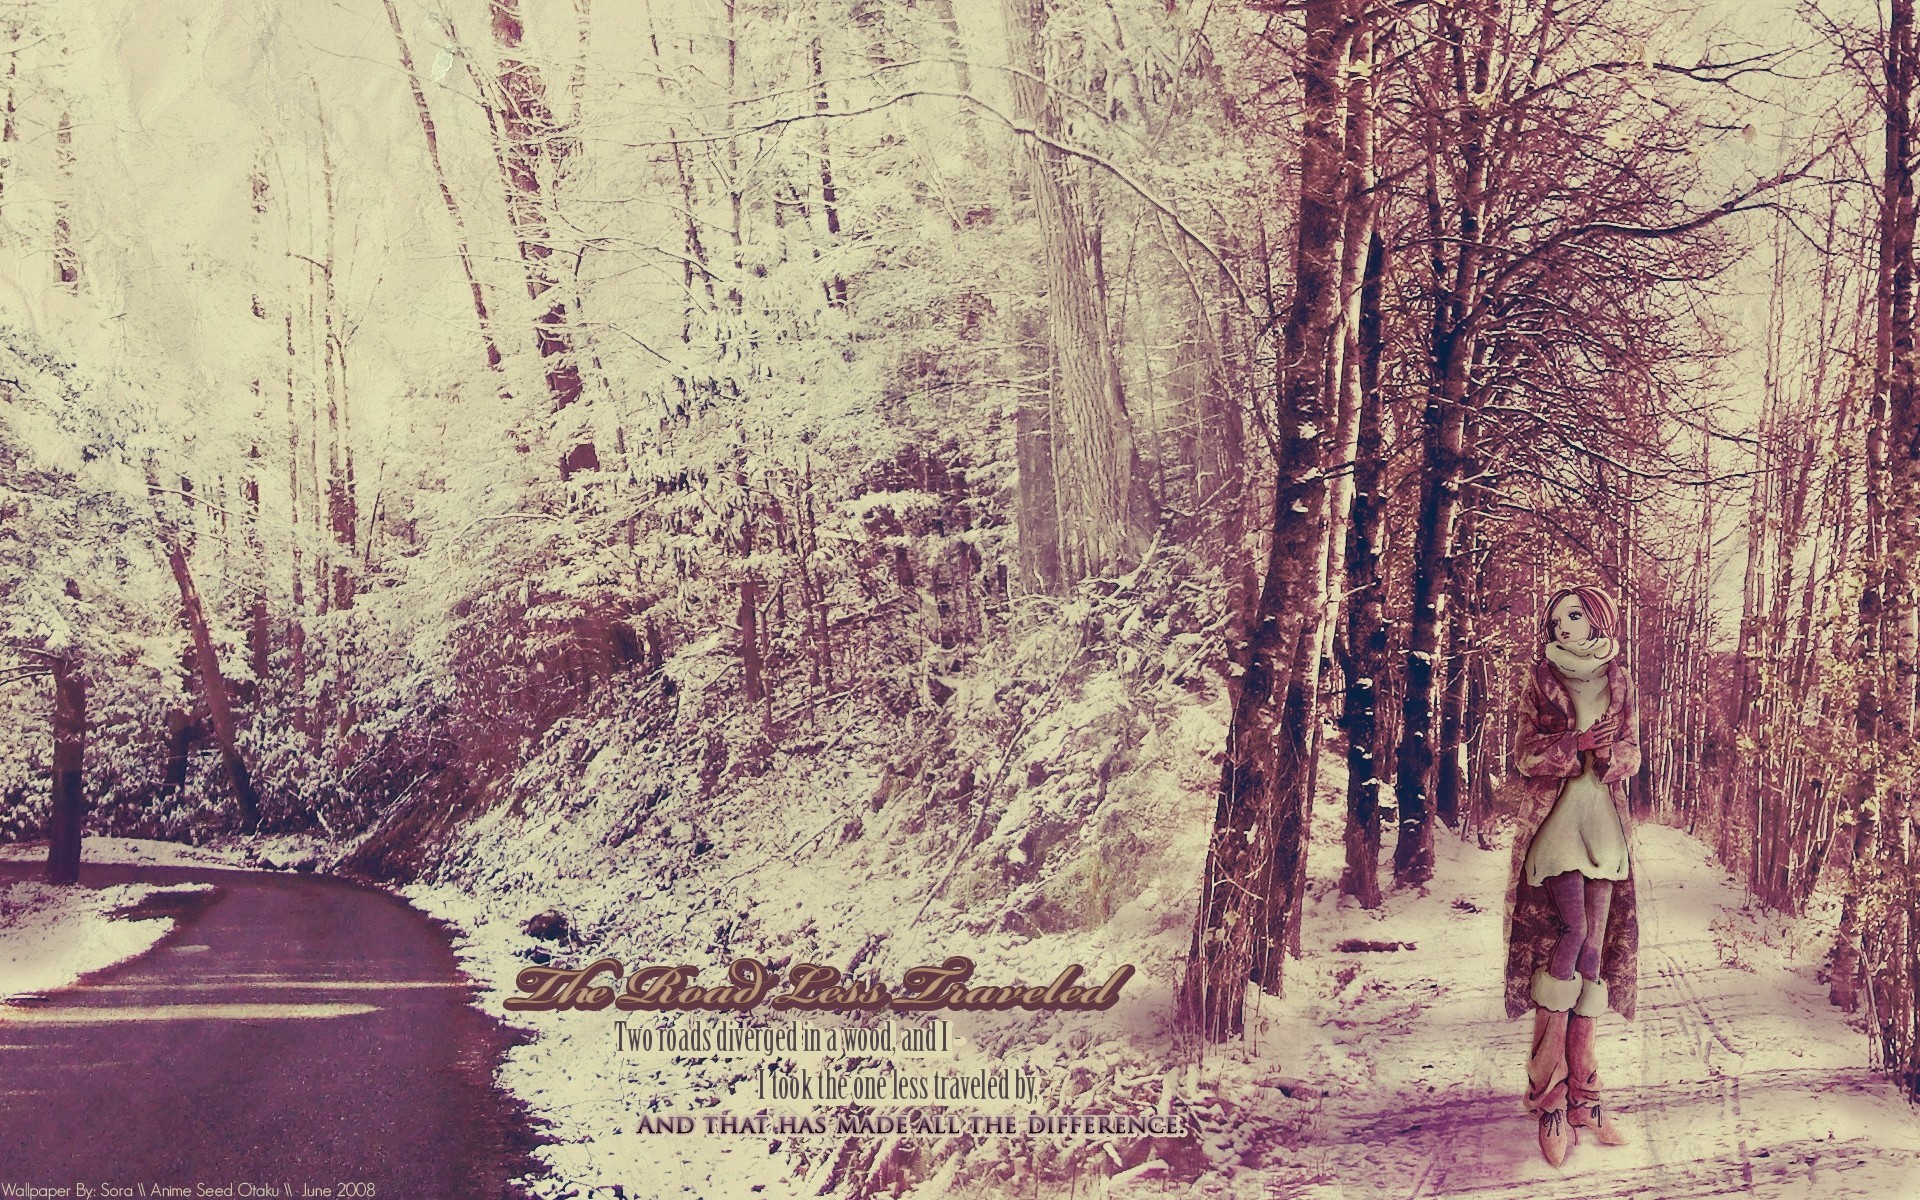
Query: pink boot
point(1584, 1110)
point(1547, 1064)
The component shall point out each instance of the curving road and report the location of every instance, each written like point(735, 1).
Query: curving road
point(293, 1037)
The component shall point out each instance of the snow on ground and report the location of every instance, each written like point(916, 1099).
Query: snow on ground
point(275, 852)
point(1736, 1078)
point(1378, 1074)
point(51, 936)
point(118, 851)
point(1088, 853)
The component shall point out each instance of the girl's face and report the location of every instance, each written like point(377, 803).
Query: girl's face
point(1570, 621)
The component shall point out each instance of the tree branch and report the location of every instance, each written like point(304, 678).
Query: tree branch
point(1743, 202)
point(1106, 164)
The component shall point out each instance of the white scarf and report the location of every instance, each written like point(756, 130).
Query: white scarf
point(1583, 661)
point(1582, 666)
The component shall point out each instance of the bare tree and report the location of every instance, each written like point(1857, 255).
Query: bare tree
point(529, 140)
point(1259, 833)
point(430, 133)
point(206, 659)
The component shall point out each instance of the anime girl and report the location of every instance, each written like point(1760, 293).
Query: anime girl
point(1573, 938)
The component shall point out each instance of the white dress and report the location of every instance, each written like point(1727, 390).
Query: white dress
point(1583, 832)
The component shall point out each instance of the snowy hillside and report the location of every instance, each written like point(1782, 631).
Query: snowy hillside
point(1380, 1073)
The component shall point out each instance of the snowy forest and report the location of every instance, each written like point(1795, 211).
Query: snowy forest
point(1011, 462)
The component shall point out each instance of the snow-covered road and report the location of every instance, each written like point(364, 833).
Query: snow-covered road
point(1737, 1078)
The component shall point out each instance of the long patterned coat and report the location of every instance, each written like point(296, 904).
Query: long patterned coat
point(1545, 756)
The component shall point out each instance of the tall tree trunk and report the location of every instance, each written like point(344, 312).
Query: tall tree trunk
point(529, 137)
point(1892, 309)
point(1259, 831)
point(736, 183)
point(297, 633)
point(429, 132)
point(1901, 603)
point(1457, 262)
point(1346, 386)
point(342, 519)
point(1895, 935)
point(751, 662)
point(69, 770)
point(1484, 750)
point(1451, 781)
point(9, 127)
point(1367, 628)
point(1742, 788)
point(1432, 554)
point(259, 623)
point(1106, 508)
point(213, 682)
point(66, 255)
point(1036, 510)
point(1694, 713)
point(829, 194)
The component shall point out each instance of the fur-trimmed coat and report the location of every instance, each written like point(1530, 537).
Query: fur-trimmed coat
point(1544, 756)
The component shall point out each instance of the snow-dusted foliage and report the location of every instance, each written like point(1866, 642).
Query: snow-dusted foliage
point(1042, 800)
point(795, 271)
point(80, 584)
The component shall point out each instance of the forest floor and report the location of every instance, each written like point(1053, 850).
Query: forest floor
point(1381, 1073)
point(1736, 1079)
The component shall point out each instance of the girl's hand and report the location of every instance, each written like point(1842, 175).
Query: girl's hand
point(1600, 735)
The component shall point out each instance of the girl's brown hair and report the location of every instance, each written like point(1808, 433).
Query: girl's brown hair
point(1601, 611)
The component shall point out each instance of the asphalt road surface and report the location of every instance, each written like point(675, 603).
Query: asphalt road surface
point(293, 1037)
